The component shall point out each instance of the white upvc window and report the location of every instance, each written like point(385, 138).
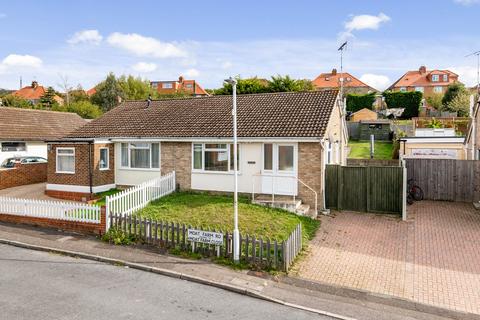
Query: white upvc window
point(279, 158)
point(104, 162)
point(140, 155)
point(435, 77)
point(167, 85)
point(213, 157)
point(403, 89)
point(65, 160)
point(437, 89)
point(445, 77)
point(155, 85)
point(419, 89)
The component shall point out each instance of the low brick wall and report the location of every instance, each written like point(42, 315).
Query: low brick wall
point(23, 174)
point(373, 162)
point(81, 227)
point(71, 196)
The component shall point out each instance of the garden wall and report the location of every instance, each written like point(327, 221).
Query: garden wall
point(23, 174)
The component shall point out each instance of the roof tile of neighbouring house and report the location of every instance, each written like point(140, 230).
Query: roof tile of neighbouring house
point(36, 125)
point(30, 92)
point(332, 80)
point(301, 114)
point(416, 78)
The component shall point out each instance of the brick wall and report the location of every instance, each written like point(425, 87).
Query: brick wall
point(177, 156)
point(82, 227)
point(23, 174)
point(310, 172)
point(81, 175)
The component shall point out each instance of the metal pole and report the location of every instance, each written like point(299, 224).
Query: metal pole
point(236, 233)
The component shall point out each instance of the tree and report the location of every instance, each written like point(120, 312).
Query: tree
point(15, 102)
point(410, 101)
point(77, 95)
point(435, 101)
point(244, 86)
point(136, 88)
point(109, 93)
point(452, 91)
point(47, 100)
point(357, 102)
point(85, 109)
point(276, 84)
point(65, 85)
point(459, 104)
point(286, 84)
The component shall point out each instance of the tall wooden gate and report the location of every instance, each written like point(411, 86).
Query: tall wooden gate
point(446, 179)
point(366, 189)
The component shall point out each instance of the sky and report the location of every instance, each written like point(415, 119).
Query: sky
point(82, 41)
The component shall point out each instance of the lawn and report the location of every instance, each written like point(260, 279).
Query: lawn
point(361, 150)
point(216, 212)
point(103, 195)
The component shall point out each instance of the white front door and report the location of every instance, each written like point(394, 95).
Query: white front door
point(279, 168)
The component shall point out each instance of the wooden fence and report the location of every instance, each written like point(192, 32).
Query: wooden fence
point(59, 210)
point(264, 253)
point(365, 189)
point(446, 179)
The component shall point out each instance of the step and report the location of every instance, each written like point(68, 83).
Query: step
point(303, 209)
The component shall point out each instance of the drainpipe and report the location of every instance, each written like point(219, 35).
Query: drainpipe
point(474, 129)
point(90, 165)
point(324, 207)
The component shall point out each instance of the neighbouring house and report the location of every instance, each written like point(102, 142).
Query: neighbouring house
point(428, 82)
point(380, 129)
point(90, 92)
point(363, 115)
point(472, 139)
point(351, 84)
point(34, 92)
point(433, 143)
point(285, 140)
point(23, 131)
point(181, 85)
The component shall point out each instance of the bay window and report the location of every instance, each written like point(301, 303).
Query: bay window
point(215, 157)
point(140, 155)
point(65, 160)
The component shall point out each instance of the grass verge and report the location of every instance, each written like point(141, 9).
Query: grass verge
point(361, 150)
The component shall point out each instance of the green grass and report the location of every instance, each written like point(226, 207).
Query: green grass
point(103, 195)
point(361, 150)
point(216, 212)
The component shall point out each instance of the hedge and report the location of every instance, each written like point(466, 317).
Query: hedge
point(409, 100)
point(357, 102)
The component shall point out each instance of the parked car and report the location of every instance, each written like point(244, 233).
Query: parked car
point(10, 162)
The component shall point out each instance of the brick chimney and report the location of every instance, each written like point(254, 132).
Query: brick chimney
point(180, 79)
point(334, 72)
point(34, 84)
point(422, 70)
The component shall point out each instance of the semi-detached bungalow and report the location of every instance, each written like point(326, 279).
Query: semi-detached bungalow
point(285, 140)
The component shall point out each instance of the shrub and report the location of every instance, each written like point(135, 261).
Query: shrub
point(117, 236)
point(409, 100)
point(357, 102)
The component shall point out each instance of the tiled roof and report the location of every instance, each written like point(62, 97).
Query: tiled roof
point(417, 78)
point(36, 125)
point(294, 114)
point(332, 80)
point(30, 93)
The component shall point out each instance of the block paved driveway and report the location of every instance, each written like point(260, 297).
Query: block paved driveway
point(433, 258)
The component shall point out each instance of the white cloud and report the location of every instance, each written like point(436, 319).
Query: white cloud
point(17, 60)
point(376, 81)
point(467, 2)
point(366, 21)
point(144, 67)
point(86, 36)
point(192, 73)
point(145, 46)
point(226, 65)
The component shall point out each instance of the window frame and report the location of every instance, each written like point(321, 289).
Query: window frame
point(228, 150)
point(275, 160)
point(420, 89)
point(129, 148)
point(435, 78)
point(65, 155)
point(167, 85)
point(24, 149)
point(403, 89)
point(445, 78)
point(438, 89)
point(100, 159)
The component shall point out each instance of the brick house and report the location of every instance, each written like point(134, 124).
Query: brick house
point(181, 85)
point(23, 131)
point(283, 138)
point(351, 84)
point(428, 82)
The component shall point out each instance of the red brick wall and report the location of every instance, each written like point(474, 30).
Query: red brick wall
point(82, 227)
point(177, 156)
point(72, 196)
point(23, 174)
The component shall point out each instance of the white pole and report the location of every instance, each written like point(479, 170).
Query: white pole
point(236, 233)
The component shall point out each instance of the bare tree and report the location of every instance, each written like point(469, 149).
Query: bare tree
point(66, 87)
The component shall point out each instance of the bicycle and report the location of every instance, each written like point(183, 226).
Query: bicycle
point(414, 192)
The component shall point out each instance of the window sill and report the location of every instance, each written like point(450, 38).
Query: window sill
point(64, 172)
point(140, 169)
point(229, 173)
point(104, 169)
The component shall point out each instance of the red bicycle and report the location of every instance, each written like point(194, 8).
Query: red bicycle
point(414, 192)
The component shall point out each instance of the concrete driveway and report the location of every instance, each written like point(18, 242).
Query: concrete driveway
point(433, 258)
point(29, 191)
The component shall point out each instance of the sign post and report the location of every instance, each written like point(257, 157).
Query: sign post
point(207, 237)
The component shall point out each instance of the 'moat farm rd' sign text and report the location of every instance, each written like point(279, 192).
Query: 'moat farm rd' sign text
point(207, 237)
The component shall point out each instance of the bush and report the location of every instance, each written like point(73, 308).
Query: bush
point(357, 102)
point(409, 100)
point(117, 236)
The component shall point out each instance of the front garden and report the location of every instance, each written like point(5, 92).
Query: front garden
point(361, 150)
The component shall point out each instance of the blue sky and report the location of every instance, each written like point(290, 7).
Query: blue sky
point(211, 40)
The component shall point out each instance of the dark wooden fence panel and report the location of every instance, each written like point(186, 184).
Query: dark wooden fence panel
point(446, 179)
point(367, 189)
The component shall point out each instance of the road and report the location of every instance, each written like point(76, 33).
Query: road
point(40, 285)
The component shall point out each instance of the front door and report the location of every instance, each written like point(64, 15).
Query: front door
point(279, 174)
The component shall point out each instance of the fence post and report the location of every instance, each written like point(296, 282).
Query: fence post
point(107, 213)
point(340, 187)
point(404, 191)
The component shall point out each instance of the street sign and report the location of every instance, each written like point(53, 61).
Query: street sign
point(207, 237)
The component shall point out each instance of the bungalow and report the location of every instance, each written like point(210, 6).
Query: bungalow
point(285, 140)
point(23, 131)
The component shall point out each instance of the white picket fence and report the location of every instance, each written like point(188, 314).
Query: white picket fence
point(70, 211)
point(138, 197)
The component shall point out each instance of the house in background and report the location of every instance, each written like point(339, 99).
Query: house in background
point(23, 131)
point(181, 85)
point(34, 92)
point(285, 140)
point(351, 84)
point(428, 82)
point(363, 115)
